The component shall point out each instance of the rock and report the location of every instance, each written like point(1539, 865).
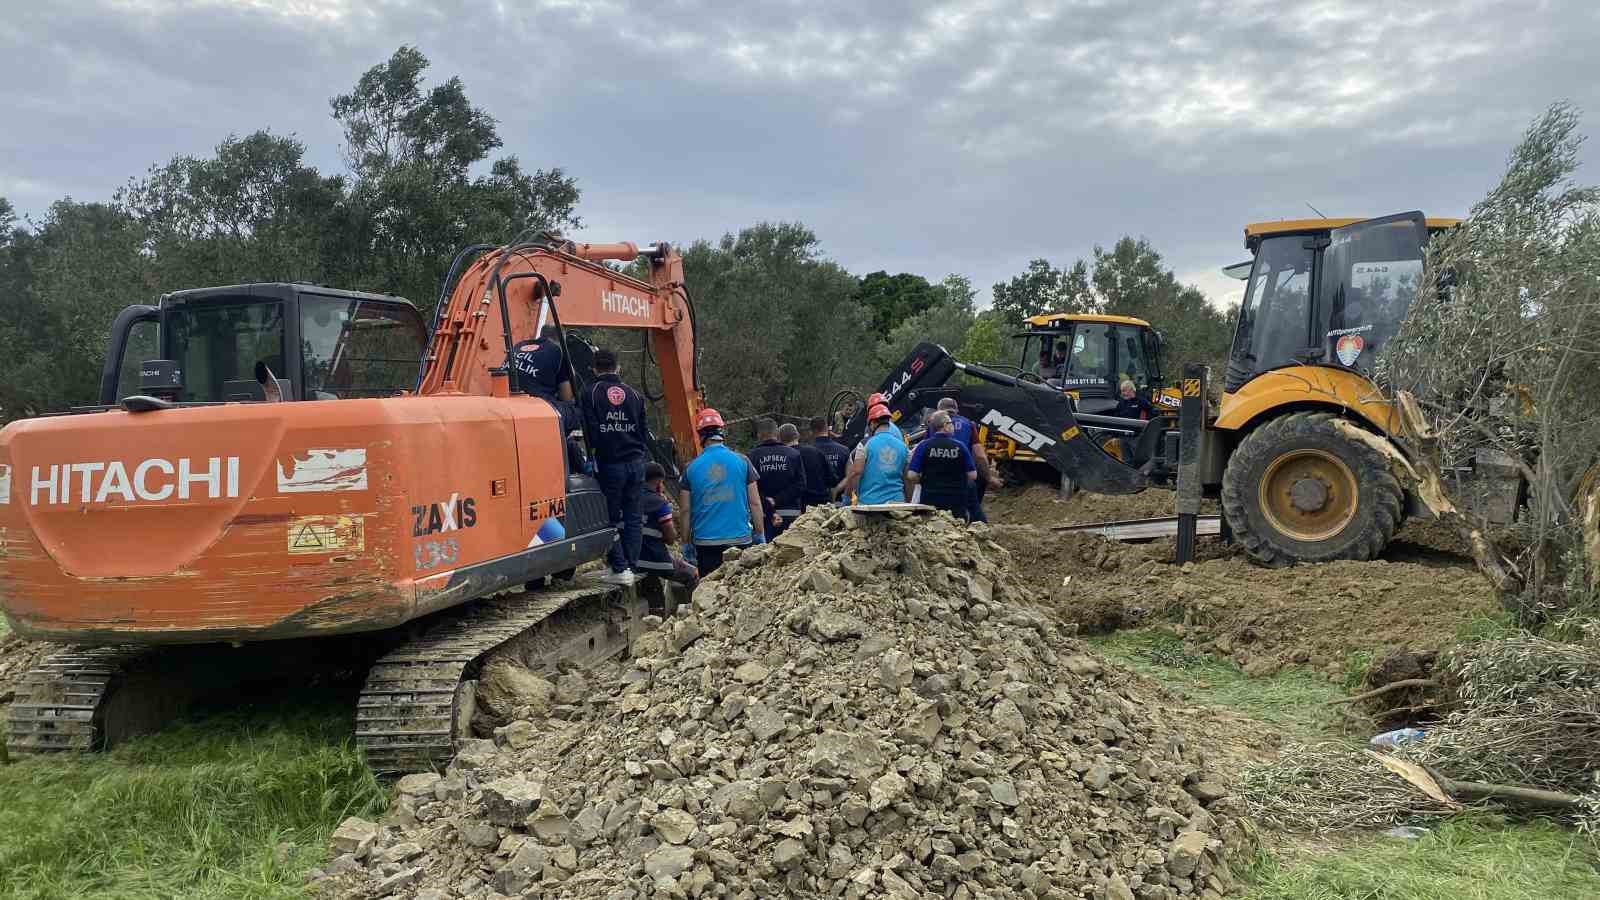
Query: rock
point(343, 863)
point(674, 825)
point(858, 569)
point(478, 834)
point(1005, 793)
point(1098, 777)
point(819, 581)
point(980, 589)
point(888, 789)
point(838, 754)
point(791, 547)
point(418, 785)
point(789, 854)
point(519, 734)
point(398, 881)
point(741, 801)
point(895, 670)
point(1009, 718)
point(572, 689)
point(508, 801)
point(399, 853)
point(1207, 792)
point(764, 722)
point(1184, 856)
point(355, 836)
point(752, 672)
point(431, 894)
point(548, 824)
point(668, 861)
point(832, 627)
point(751, 621)
point(474, 754)
point(923, 726)
point(1117, 888)
point(505, 687)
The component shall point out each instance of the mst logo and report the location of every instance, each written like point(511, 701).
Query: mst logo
point(450, 515)
point(1015, 430)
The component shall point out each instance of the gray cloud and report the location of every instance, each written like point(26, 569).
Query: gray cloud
point(965, 136)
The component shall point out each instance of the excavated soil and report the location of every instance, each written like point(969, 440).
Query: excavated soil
point(870, 707)
point(1415, 599)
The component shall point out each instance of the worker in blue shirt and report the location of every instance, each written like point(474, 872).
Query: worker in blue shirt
point(719, 497)
point(878, 473)
point(966, 432)
point(781, 474)
point(944, 467)
point(660, 532)
point(613, 415)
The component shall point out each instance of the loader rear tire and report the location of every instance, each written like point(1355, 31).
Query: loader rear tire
point(1297, 490)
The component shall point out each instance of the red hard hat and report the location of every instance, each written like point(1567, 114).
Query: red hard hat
point(878, 412)
point(708, 418)
point(876, 400)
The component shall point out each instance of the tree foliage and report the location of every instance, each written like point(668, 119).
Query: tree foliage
point(1129, 280)
point(1504, 361)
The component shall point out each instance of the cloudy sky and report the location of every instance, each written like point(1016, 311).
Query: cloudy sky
point(965, 136)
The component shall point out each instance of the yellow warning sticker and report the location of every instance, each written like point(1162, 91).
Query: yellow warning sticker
point(1070, 433)
point(325, 534)
point(1191, 387)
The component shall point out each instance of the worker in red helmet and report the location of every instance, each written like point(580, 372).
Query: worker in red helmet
point(718, 497)
point(880, 466)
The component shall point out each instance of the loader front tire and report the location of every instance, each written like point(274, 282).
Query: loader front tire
point(1297, 490)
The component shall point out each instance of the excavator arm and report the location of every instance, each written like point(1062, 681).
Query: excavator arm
point(508, 294)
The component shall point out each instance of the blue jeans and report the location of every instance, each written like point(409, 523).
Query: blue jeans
point(622, 483)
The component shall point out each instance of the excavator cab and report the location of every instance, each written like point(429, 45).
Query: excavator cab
point(255, 342)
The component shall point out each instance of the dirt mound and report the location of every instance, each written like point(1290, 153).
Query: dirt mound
point(1314, 615)
point(1041, 504)
point(868, 707)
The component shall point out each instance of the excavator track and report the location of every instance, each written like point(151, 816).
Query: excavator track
point(60, 703)
point(418, 699)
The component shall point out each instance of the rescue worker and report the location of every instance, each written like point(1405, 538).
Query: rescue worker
point(879, 469)
point(944, 467)
point(718, 497)
point(835, 457)
point(967, 433)
point(542, 371)
point(660, 532)
point(1133, 406)
point(819, 487)
point(781, 474)
point(613, 414)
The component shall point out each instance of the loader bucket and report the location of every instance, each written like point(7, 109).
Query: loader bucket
point(1040, 418)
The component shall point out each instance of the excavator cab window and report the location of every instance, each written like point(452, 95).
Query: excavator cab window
point(221, 342)
point(357, 348)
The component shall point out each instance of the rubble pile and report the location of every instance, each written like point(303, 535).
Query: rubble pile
point(868, 707)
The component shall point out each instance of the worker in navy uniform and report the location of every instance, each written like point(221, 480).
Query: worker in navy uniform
point(719, 498)
point(541, 370)
point(820, 477)
point(613, 415)
point(835, 454)
point(660, 532)
point(967, 433)
point(781, 475)
point(943, 466)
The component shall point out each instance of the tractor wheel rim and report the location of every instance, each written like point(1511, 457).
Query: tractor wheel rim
point(1309, 495)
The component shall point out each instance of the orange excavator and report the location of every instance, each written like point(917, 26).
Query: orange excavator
point(292, 465)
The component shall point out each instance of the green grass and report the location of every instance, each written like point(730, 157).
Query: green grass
point(196, 811)
point(1293, 700)
point(1479, 858)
